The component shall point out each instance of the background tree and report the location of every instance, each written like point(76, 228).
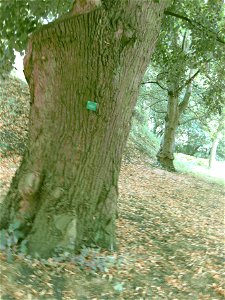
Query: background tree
point(216, 137)
point(64, 194)
point(199, 127)
point(189, 41)
point(198, 123)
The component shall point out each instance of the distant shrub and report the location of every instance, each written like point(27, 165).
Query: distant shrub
point(144, 139)
point(14, 110)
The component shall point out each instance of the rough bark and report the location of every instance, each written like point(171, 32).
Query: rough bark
point(65, 191)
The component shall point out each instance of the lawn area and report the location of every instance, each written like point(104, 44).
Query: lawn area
point(199, 167)
point(170, 233)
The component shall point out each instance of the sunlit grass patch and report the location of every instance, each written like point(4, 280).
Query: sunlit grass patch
point(199, 167)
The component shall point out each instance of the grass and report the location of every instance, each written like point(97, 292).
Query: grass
point(199, 167)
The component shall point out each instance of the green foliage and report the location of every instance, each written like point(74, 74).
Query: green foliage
point(20, 18)
point(145, 140)
point(185, 45)
point(191, 40)
point(214, 94)
point(14, 109)
point(195, 138)
point(198, 123)
point(141, 134)
point(201, 123)
point(88, 259)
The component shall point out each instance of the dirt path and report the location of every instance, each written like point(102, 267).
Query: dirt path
point(170, 246)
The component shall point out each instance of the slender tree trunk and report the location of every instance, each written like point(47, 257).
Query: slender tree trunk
point(165, 155)
point(175, 109)
point(212, 157)
point(65, 191)
point(216, 139)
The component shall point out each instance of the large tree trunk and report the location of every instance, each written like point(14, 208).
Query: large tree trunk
point(65, 191)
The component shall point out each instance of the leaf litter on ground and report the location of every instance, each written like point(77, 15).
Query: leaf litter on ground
point(170, 234)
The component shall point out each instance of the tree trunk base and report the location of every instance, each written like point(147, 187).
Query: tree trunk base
point(166, 163)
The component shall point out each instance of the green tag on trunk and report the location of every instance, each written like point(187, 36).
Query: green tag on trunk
point(91, 105)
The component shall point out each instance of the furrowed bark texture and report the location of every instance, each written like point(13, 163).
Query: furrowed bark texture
point(65, 191)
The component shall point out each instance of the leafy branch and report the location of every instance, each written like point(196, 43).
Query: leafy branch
point(187, 82)
point(195, 24)
point(155, 82)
